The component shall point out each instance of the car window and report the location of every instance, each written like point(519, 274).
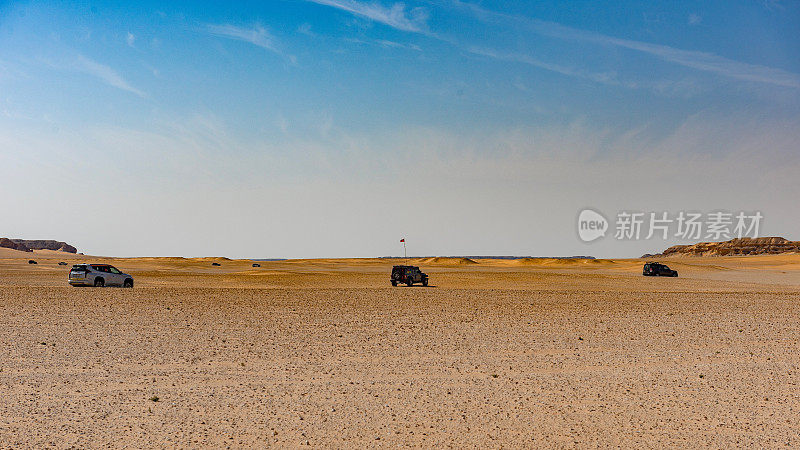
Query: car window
point(114, 270)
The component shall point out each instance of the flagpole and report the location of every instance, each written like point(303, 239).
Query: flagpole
point(405, 255)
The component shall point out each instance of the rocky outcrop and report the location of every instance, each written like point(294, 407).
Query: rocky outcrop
point(27, 245)
point(8, 243)
point(735, 247)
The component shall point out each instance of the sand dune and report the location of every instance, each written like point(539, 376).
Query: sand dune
point(445, 261)
point(7, 253)
point(561, 261)
point(16, 254)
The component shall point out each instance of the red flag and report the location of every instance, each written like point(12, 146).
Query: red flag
point(403, 240)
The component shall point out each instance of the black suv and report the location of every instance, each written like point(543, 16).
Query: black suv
point(408, 275)
point(653, 269)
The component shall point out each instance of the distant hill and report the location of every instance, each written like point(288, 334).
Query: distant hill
point(28, 245)
point(492, 257)
point(734, 247)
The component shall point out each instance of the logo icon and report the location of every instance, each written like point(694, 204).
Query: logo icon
point(591, 225)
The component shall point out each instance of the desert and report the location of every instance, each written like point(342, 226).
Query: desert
point(495, 353)
point(205, 204)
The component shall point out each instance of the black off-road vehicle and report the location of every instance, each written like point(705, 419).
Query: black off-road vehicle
point(654, 269)
point(408, 275)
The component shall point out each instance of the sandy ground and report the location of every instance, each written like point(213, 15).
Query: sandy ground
point(326, 353)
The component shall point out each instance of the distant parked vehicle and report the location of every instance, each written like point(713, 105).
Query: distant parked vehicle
point(214, 264)
point(62, 263)
point(408, 275)
point(256, 265)
point(30, 261)
point(654, 269)
point(98, 275)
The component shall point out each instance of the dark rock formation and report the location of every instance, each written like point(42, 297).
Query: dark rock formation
point(46, 245)
point(8, 243)
point(734, 247)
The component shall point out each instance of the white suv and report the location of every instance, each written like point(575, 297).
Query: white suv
point(98, 275)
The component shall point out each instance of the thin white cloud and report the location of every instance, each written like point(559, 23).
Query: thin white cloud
point(130, 39)
point(708, 62)
point(305, 28)
point(385, 43)
point(395, 16)
point(105, 73)
point(773, 5)
point(703, 61)
point(604, 78)
point(664, 87)
point(258, 35)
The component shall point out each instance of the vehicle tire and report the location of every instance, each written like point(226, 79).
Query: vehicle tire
point(674, 274)
point(394, 283)
point(425, 282)
point(409, 282)
point(127, 283)
point(99, 282)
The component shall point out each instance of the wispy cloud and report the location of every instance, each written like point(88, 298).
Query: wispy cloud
point(257, 35)
point(672, 88)
point(773, 5)
point(703, 61)
point(385, 44)
point(305, 28)
point(130, 39)
point(604, 78)
point(105, 73)
point(392, 44)
point(395, 16)
point(709, 62)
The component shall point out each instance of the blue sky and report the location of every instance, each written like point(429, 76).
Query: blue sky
point(335, 127)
